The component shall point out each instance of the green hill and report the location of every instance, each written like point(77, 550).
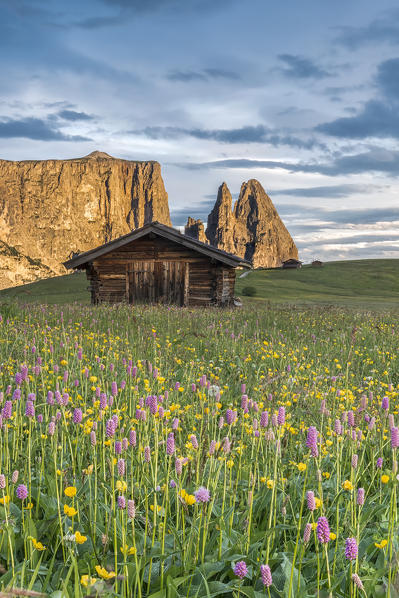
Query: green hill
point(368, 283)
point(361, 283)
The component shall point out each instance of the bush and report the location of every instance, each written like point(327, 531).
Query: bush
point(248, 291)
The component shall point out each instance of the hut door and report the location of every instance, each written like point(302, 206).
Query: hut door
point(140, 282)
point(157, 282)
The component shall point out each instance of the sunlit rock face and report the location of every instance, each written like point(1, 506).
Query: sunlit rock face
point(252, 229)
point(50, 208)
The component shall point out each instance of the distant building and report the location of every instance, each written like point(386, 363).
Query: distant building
point(157, 264)
point(317, 263)
point(292, 263)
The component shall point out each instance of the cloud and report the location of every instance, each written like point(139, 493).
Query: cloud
point(73, 116)
point(186, 76)
point(319, 217)
point(34, 128)
point(299, 67)
point(374, 160)
point(203, 75)
point(246, 134)
point(388, 79)
point(383, 29)
point(330, 191)
point(152, 5)
point(376, 119)
point(356, 239)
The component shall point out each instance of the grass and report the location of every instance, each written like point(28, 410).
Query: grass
point(155, 452)
point(57, 290)
point(358, 283)
point(371, 284)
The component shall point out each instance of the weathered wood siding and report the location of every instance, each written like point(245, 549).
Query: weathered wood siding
point(152, 270)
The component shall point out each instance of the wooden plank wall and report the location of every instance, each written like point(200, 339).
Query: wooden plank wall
point(198, 281)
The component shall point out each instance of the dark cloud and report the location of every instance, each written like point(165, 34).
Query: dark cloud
point(374, 160)
point(186, 76)
point(247, 134)
point(73, 116)
point(203, 75)
point(34, 128)
point(376, 119)
point(383, 29)
point(222, 74)
point(329, 191)
point(99, 22)
point(387, 79)
point(151, 5)
point(299, 67)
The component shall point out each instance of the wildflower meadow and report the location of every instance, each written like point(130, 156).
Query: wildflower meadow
point(164, 452)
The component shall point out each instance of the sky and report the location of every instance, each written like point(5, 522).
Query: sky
point(302, 96)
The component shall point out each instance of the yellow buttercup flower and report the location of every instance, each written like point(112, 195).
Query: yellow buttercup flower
point(270, 484)
point(38, 545)
point(5, 500)
point(333, 536)
point(70, 511)
point(230, 463)
point(104, 573)
point(382, 544)
point(158, 508)
point(70, 491)
point(121, 486)
point(80, 539)
point(126, 550)
point(86, 581)
point(318, 502)
point(385, 478)
point(347, 485)
point(301, 466)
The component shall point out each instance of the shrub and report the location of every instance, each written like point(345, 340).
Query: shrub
point(249, 291)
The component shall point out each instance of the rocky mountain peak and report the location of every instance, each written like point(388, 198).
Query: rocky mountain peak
point(99, 155)
point(220, 227)
point(253, 229)
point(195, 229)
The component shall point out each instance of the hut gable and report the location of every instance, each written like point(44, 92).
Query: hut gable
point(157, 264)
point(292, 263)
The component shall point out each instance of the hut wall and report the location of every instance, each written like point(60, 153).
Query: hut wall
point(168, 272)
point(225, 286)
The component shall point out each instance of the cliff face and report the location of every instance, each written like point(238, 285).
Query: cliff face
point(17, 268)
point(195, 229)
point(220, 229)
point(50, 208)
point(253, 229)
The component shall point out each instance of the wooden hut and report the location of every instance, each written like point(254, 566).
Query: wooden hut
point(158, 264)
point(317, 264)
point(292, 263)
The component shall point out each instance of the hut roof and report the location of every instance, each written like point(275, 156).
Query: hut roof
point(292, 260)
point(160, 230)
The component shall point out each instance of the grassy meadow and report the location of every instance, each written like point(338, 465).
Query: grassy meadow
point(161, 452)
point(355, 283)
